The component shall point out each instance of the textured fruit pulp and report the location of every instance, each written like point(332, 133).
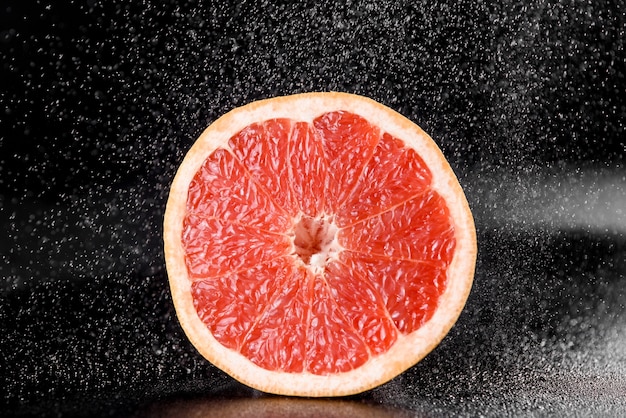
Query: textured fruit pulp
point(312, 247)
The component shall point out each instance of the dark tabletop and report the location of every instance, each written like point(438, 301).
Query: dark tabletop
point(100, 100)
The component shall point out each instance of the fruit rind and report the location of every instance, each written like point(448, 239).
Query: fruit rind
point(409, 349)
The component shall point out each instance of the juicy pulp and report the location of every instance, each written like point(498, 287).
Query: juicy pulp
point(312, 247)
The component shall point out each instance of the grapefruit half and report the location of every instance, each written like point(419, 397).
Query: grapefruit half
point(317, 244)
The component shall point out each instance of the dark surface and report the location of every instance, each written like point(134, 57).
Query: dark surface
point(100, 103)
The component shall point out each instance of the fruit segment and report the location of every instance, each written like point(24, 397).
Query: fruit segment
point(263, 148)
point(362, 304)
point(409, 289)
point(393, 175)
point(333, 345)
point(277, 341)
point(286, 159)
point(223, 189)
point(231, 304)
point(418, 229)
point(308, 169)
point(215, 247)
point(349, 142)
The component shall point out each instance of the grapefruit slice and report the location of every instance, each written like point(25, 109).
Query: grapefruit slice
point(317, 244)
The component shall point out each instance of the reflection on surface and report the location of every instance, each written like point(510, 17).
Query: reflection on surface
point(270, 406)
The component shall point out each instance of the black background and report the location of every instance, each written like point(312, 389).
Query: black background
point(101, 100)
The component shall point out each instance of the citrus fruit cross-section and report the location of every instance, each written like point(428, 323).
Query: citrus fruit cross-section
point(317, 244)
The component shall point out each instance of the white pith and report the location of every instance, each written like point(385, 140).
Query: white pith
point(320, 234)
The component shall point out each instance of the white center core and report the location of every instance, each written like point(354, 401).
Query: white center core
point(315, 241)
